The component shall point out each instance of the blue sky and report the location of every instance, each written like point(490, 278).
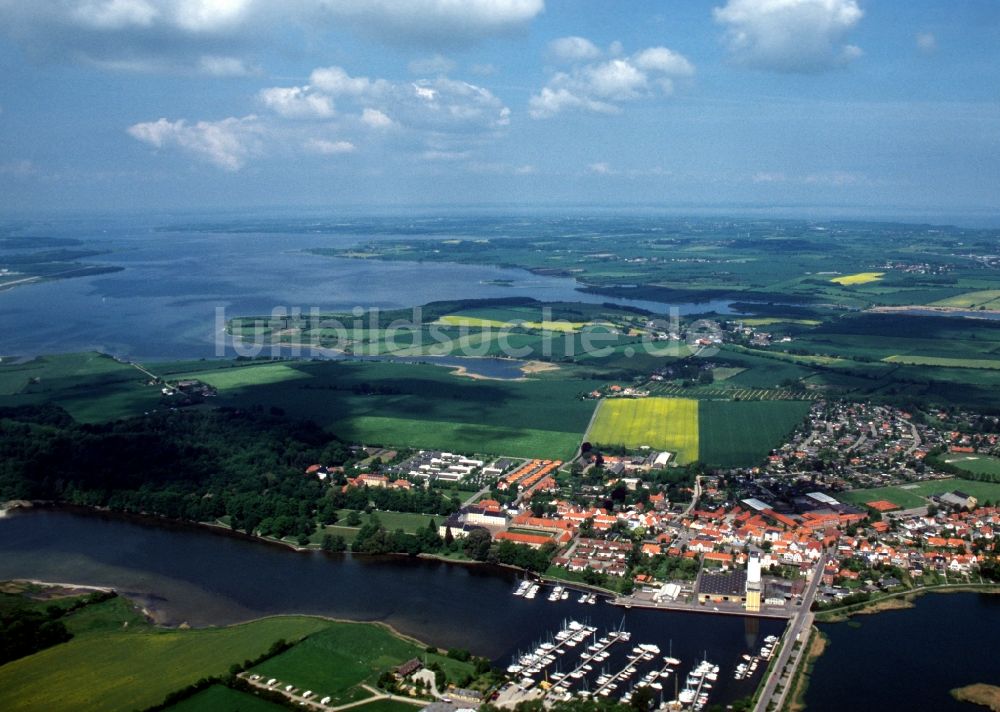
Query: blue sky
point(877, 107)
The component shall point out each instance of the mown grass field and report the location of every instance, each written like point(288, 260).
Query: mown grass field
point(660, 423)
point(108, 667)
point(338, 660)
point(219, 698)
point(977, 464)
point(908, 496)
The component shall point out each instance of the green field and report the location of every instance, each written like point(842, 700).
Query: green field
point(909, 496)
point(720, 433)
point(91, 386)
point(945, 361)
point(338, 660)
point(660, 423)
point(989, 298)
point(740, 433)
point(108, 667)
point(392, 404)
point(223, 699)
point(985, 465)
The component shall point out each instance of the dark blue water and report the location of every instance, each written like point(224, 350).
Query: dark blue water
point(909, 659)
point(192, 574)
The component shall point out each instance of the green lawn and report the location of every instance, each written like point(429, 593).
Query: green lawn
point(976, 464)
point(219, 698)
point(909, 496)
point(109, 667)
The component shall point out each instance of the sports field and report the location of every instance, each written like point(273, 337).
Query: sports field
point(660, 423)
point(915, 495)
point(984, 465)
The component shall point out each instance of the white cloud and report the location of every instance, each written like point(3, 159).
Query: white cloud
point(227, 143)
point(601, 169)
point(171, 35)
point(573, 49)
point(790, 35)
point(218, 66)
point(375, 118)
point(329, 148)
point(297, 102)
point(661, 59)
point(210, 15)
point(436, 64)
point(926, 42)
point(602, 86)
point(336, 81)
point(114, 14)
point(434, 22)
point(436, 119)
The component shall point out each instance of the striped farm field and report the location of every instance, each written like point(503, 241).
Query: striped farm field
point(661, 423)
point(720, 433)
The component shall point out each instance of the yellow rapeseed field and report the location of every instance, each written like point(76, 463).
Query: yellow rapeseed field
point(661, 423)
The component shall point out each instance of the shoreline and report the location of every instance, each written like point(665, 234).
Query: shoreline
point(892, 602)
point(932, 308)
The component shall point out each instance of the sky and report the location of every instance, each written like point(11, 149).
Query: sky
point(882, 107)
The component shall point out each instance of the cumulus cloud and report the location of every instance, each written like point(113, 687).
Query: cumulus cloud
point(227, 143)
point(375, 118)
point(803, 36)
point(436, 119)
point(297, 102)
point(573, 49)
point(601, 86)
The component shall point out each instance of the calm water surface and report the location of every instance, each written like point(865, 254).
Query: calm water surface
point(909, 659)
point(162, 305)
point(190, 574)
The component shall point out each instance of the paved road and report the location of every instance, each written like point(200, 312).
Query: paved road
point(799, 624)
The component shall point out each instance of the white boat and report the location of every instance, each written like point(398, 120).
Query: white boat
point(671, 661)
point(522, 588)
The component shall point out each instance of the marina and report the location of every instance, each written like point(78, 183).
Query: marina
point(579, 662)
